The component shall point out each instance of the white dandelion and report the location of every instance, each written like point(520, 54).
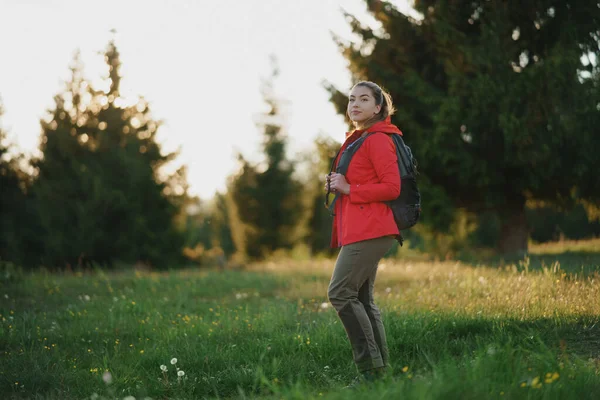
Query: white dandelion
point(173, 361)
point(107, 377)
point(163, 368)
point(180, 373)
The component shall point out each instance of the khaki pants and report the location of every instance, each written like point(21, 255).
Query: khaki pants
point(351, 294)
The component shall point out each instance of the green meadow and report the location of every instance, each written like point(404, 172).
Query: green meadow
point(493, 329)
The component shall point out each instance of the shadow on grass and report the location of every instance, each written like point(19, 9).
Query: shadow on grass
point(461, 357)
point(580, 262)
point(412, 335)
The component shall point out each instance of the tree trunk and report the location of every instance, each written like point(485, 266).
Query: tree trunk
point(514, 234)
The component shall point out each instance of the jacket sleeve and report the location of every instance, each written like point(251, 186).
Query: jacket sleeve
point(382, 153)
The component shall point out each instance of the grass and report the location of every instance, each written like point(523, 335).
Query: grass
point(527, 330)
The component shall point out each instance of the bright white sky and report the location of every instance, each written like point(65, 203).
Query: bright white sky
point(198, 62)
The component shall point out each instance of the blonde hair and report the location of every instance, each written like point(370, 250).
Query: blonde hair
point(382, 98)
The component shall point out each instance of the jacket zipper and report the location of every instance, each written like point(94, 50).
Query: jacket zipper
point(340, 223)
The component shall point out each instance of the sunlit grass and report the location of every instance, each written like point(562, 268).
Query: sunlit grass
point(455, 330)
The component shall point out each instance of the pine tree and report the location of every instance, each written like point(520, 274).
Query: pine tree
point(220, 229)
point(318, 235)
point(494, 99)
point(12, 201)
point(99, 190)
point(269, 201)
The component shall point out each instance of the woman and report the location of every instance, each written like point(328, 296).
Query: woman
point(364, 226)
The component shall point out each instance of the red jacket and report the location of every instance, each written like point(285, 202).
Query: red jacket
point(374, 178)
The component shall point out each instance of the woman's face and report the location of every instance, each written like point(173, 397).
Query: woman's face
point(361, 105)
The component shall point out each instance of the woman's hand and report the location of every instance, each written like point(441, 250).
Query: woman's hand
point(337, 183)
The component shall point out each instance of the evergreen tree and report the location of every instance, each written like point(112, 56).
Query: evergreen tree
point(494, 99)
point(19, 225)
point(318, 236)
point(221, 235)
point(9, 182)
point(268, 201)
point(243, 208)
point(12, 200)
point(99, 191)
point(207, 232)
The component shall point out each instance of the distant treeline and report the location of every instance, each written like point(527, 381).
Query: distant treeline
point(500, 106)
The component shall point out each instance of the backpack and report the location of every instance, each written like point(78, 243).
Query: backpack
point(406, 207)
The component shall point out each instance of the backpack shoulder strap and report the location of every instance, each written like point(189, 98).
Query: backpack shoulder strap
point(348, 153)
point(342, 166)
point(405, 159)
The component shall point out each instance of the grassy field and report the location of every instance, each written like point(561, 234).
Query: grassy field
point(456, 330)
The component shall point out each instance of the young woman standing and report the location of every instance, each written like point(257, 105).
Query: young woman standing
point(363, 225)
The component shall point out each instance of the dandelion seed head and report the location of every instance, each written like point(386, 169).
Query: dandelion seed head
point(163, 368)
point(180, 373)
point(107, 377)
point(173, 361)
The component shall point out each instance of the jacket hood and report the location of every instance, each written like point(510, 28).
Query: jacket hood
point(384, 126)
